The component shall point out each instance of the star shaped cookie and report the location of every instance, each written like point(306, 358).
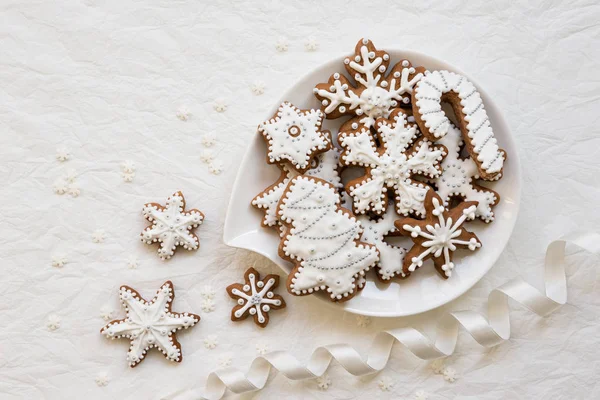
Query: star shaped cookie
point(171, 225)
point(295, 135)
point(150, 324)
point(438, 235)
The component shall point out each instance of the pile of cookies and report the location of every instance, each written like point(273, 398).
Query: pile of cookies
point(417, 174)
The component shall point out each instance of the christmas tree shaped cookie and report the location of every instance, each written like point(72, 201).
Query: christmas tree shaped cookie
point(322, 241)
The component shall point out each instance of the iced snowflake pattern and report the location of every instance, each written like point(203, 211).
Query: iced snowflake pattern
point(208, 305)
point(215, 167)
point(458, 176)
point(171, 225)
point(106, 313)
point(132, 262)
point(262, 348)
point(437, 365)
point(385, 384)
point(59, 260)
point(208, 292)
point(255, 297)
point(323, 382)
point(220, 106)
point(207, 156)
point(311, 44)
point(183, 113)
point(62, 154)
point(66, 184)
point(209, 140)
point(450, 374)
point(281, 45)
point(98, 236)
point(211, 342)
point(53, 322)
point(102, 379)
point(421, 395)
point(391, 166)
point(225, 361)
point(258, 88)
point(150, 324)
point(374, 96)
point(439, 235)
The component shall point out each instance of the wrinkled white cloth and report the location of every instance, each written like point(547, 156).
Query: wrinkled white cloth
point(106, 80)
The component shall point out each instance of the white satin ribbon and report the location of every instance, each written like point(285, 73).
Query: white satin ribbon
point(487, 332)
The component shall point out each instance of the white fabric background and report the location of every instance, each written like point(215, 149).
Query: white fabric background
point(105, 79)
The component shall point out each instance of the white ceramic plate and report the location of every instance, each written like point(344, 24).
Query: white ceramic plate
point(424, 290)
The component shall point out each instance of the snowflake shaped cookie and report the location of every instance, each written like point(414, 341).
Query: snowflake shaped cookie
point(458, 176)
point(295, 135)
point(322, 240)
point(150, 324)
point(374, 96)
point(438, 235)
point(391, 166)
point(325, 166)
point(391, 257)
point(171, 225)
point(255, 297)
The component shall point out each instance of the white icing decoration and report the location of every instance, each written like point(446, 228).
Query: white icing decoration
point(374, 97)
point(208, 305)
point(311, 207)
point(102, 379)
point(208, 292)
point(258, 88)
point(215, 167)
point(294, 135)
point(323, 382)
point(59, 260)
point(62, 154)
point(211, 341)
point(403, 156)
point(325, 167)
point(171, 225)
point(441, 237)
point(183, 113)
point(385, 384)
point(149, 324)
point(390, 257)
point(53, 322)
point(262, 348)
point(66, 184)
point(209, 140)
point(311, 44)
point(450, 374)
point(206, 156)
point(132, 262)
point(281, 45)
point(220, 105)
point(98, 236)
point(256, 298)
point(458, 175)
point(106, 313)
point(428, 96)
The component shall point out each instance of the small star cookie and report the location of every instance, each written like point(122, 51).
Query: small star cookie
point(295, 135)
point(438, 235)
point(255, 297)
point(171, 225)
point(150, 324)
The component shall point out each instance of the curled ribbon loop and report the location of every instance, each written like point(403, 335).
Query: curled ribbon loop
point(487, 332)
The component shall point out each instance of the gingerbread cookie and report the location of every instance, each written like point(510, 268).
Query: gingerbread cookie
point(171, 225)
point(391, 257)
point(255, 297)
point(150, 324)
point(391, 166)
point(322, 241)
point(325, 166)
point(375, 95)
point(444, 86)
point(458, 176)
point(295, 135)
point(439, 235)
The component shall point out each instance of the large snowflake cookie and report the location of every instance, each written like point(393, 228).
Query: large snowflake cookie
point(255, 297)
point(391, 257)
point(439, 235)
point(150, 324)
point(171, 225)
point(295, 136)
point(374, 95)
point(325, 166)
point(444, 86)
point(322, 241)
point(458, 176)
point(391, 166)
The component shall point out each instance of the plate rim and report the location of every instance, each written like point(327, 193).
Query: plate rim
point(500, 120)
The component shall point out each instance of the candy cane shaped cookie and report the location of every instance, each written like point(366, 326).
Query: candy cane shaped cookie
point(444, 86)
